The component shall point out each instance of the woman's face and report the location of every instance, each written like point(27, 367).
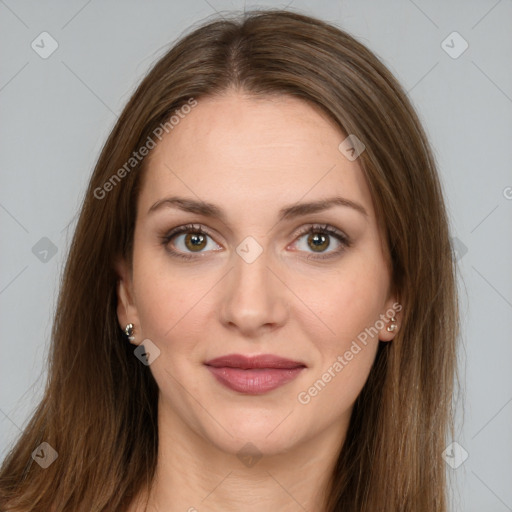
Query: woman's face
point(256, 281)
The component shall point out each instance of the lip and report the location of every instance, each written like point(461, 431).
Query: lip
point(251, 362)
point(254, 375)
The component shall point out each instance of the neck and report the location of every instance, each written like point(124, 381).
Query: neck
point(193, 474)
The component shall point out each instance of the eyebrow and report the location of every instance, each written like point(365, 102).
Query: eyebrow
point(286, 213)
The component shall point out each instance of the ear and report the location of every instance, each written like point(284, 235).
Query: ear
point(391, 318)
point(126, 309)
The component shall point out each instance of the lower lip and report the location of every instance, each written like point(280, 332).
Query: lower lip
point(255, 381)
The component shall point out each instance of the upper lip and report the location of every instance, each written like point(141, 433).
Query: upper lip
point(249, 362)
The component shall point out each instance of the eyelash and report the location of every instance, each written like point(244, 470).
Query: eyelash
point(324, 229)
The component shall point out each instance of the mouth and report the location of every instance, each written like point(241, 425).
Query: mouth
point(254, 375)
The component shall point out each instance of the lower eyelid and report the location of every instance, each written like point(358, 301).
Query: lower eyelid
point(172, 238)
point(343, 240)
point(343, 245)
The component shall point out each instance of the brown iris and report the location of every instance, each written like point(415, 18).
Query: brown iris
point(320, 241)
point(195, 241)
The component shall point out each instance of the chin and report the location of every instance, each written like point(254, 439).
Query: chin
point(262, 436)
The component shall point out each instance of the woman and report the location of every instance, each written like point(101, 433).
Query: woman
point(258, 310)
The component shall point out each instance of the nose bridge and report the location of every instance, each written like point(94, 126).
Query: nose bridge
point(252, 296)
point(252, 273)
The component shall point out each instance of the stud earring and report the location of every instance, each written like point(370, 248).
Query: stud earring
point(393, 326)
point(128, 330)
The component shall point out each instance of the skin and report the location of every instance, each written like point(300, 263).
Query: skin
point(252, 157)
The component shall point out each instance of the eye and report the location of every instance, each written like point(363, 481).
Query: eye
point(188, 239)
point(319, 238)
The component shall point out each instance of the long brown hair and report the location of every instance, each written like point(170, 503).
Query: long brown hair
point(99, 410)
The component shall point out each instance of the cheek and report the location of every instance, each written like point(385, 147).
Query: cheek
point(172, 306)
point(348, 303)
point(164, 305)
point(349, 309)
point(333, 392)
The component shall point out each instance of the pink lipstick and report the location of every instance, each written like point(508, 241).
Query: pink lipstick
point(254, 375)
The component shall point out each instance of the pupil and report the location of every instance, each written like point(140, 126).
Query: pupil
point(320, 241)
point(196, 240)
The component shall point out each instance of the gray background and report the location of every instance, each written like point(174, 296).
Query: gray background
point(57, 112)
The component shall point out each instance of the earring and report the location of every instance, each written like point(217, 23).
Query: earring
point(393, 326)
point(128, 330)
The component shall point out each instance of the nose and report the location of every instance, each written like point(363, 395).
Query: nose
point(253, 299)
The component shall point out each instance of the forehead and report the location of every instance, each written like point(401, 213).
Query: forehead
point(257, 151)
